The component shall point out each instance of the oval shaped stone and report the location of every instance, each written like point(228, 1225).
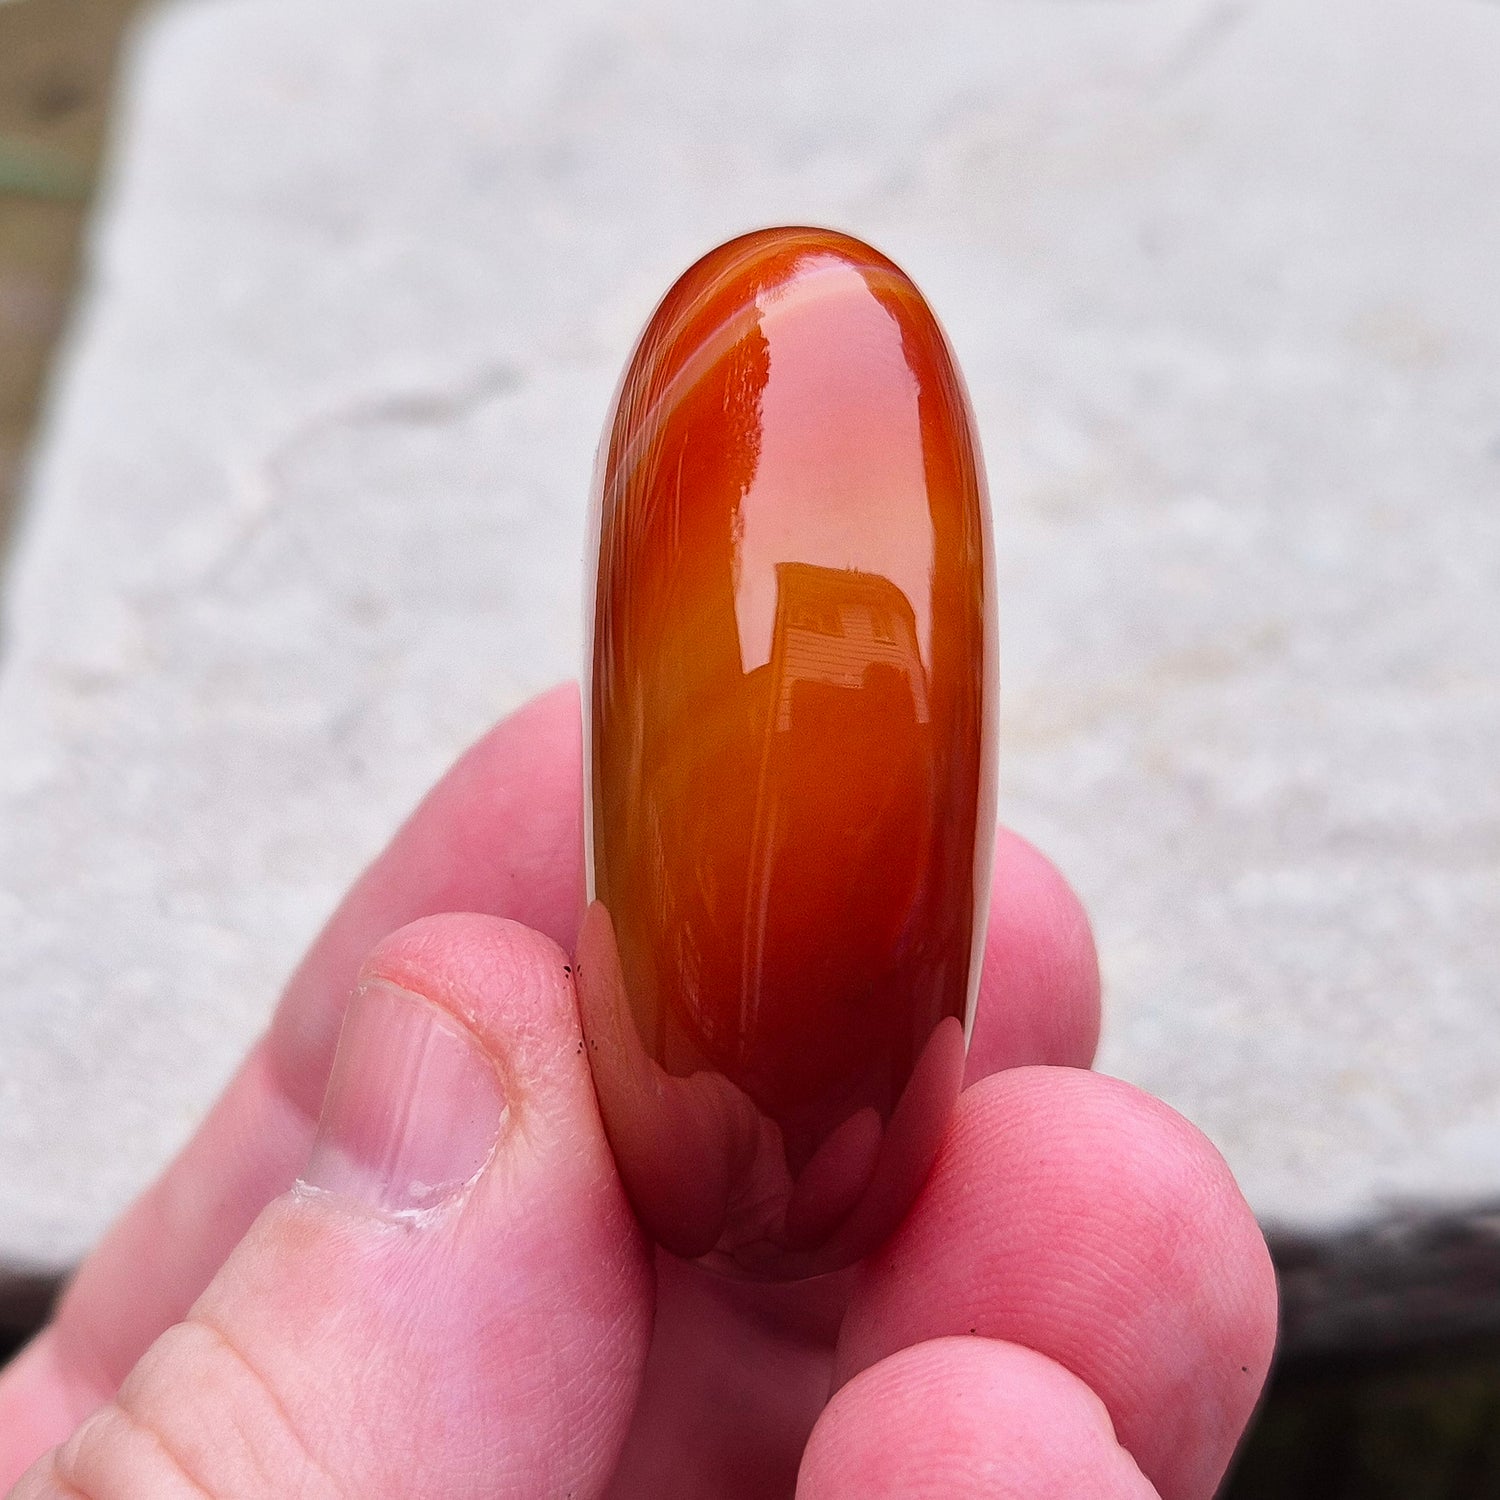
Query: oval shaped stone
point(790, 728)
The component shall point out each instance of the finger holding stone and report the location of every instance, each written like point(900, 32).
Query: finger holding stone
point(454, 1301)
point(1074, 1215)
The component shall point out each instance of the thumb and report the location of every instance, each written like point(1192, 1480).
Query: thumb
point(454, 1301)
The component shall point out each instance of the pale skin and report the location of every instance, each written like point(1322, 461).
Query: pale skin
point(1078, 1305)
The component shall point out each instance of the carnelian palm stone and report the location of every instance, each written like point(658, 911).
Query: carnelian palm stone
point(790, 754)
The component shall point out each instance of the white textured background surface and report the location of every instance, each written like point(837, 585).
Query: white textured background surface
point(309, 511)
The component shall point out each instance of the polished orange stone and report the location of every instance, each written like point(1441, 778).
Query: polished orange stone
point(790, 757)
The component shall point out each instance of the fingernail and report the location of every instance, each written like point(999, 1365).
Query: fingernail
point(413, 1108)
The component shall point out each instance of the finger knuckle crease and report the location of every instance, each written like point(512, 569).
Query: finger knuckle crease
point(225, 1347)
point(114, 1456)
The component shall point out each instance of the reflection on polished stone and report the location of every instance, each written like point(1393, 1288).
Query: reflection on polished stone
point(790, 754)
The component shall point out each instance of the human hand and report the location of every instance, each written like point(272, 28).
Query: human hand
point(455, 1300)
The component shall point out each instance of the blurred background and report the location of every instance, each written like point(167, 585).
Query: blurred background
point(1222, 278)
point(56, 71)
